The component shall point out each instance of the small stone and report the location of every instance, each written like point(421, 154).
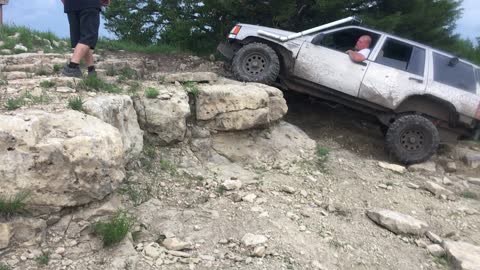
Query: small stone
point(383, 186)
point(5, 234)
point(179, 254)
point(303, 193)
point(232, 185)
point(223, 241)
point(249, 198)
point(412, 186)
point(250, 239)
point(397, 222)
point(64, 89)
point(6, 51)
point(302, 228)
point(60, 250)
point(317, 265)
point(472, 160)
point(421, 243)
point(447, 181)
point(292, 216)
point(20, 48)
point(436, 250)
point(175, 244)
point(451, 167)
point(287, 189)
point(436, 189)
point(264, 215)
point(197, 228)
point(153, 250)
point(464, 256)
point(207, 258)
point(236, 197)
point(259, 251)
point(474, 181)
point(433, 237)
point(428, 166)
point(393, 167)
point(248, 260)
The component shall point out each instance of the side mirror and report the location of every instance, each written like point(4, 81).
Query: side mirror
point(453, 62)
point(318, 39)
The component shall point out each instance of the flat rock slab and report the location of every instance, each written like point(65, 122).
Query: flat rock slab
point(464, 256)
point(437, 189)
point(472, 160)
point(429, 167)
point(393, 167)
point(191, 77)
point(397, 222)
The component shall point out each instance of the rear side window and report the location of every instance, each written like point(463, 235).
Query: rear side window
point(402, 56)
point(460, 75)
point(478, 75)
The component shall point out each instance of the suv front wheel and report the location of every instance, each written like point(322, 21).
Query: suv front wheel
point(412, 139)
point(256, 62)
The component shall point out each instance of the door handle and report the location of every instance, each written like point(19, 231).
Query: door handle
point(361, 63)
point(415, 79)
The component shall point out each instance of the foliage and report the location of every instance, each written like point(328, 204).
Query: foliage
point(75, 103)
point(200, 25)
point(134, 46)
point(29, 38)
point(13, 205)
point(4, 266)
point(14, 103)
point(57, 68)
point(151, 92)
point(93, 83)
point(47, 84)
point(44, 258)
point(192, 88)
point(115, 229)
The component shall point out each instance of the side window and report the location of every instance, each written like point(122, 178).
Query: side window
point(346, 39)
point(460, 75)
point(402, 56)
point(478, 75)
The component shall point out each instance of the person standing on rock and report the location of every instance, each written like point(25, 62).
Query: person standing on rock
point(84, 20)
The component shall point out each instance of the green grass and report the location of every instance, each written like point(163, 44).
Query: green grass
point(75, 103)
point(57, 68)
point(97, 85)
point(115, 229)
point(133, 88)
point(29, 38)
point(471, 195)
point(126, 74)
point(136, 194)
point(47, 84)
point(151, 92)
point(10, 206)
point(130, 46)
point(168, 166)
point(43, 259)
point(3, 82)
point(14, 103)
point(41, 72)
point(4, 267)
point(42, 99)
point(191, 88)
point(322, 154)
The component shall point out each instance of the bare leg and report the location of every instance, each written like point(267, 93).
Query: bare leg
point(89, 61)
point(81, 51)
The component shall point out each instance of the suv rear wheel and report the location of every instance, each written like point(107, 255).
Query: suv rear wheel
point(256, 62)
point(412, 139)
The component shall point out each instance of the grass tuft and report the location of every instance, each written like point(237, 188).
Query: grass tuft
point(32, 39)
point(115, 229)
point(10, 206)
point(126, 74)
point(47, 84)
point(471, 195)
point(43, 259)
point(57, 68)
point(14, 103)
point(192, 88)
point(4, 266)
point(94, 83)
point(130, 46)
point(75, 103)
point(151, 92)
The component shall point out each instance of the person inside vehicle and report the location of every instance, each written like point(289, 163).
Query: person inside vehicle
point(362, 49)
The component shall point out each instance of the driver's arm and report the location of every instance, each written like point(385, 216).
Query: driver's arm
point(356, 57)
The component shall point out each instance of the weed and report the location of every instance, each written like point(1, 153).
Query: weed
point(127, 73)
point(168, 166)
point(41, 72)
point(442, 260)
point(221, 189)
point(322, 156)
point(130, 46)
point(57, 68)
point(192, 88)
point(13, 205)
point(47, 84)
point(133, 88)
point(471, 195)
point(42, 99)
point(136, 194)
point(44, 258)
point(14, 103)
point(75, 103)
point(115, 229)
point(151, 92)
point(31, 39)
point(3, 82)
point(96, 84)
point(111, 72)
point(4, 267)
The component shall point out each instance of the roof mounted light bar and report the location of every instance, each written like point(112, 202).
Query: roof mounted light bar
point(353, 19)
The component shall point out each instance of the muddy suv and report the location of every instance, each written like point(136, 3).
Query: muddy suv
point(419, 94)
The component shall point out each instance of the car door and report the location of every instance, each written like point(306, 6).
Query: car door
point(327, 64)
point(398, 71)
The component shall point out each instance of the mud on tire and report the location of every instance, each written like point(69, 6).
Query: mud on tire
point(256, 62)
point(412, 139)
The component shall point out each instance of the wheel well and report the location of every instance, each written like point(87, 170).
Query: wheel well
point(429, 106)
point(286, 59)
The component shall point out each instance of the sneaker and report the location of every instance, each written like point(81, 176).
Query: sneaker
point(72, 72)
point(92, 74)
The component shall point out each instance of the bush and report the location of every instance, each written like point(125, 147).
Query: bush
point(114, 230)
point(47, 84)
point(75, 103)
point(14, 103)
point(4, 267)
point(44, 258)
point(151, 92)
point(191, 88)
point(13, 205)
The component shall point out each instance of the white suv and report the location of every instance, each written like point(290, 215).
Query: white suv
point(420, 95)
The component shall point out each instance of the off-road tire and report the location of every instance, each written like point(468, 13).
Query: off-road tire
point(256, 62)
point(412, 139)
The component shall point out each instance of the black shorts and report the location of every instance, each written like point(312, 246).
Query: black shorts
point(84, 25)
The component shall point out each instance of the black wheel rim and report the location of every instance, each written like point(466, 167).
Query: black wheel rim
point(255, 64)
point(413, 140)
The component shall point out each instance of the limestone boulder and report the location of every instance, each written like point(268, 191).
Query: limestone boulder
point(190, 77)
point(119, 112)
point(397, 222)
point(464, 256)
point(281, 145)
point(64, 159)
point(164, 118)
point(230, 107)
